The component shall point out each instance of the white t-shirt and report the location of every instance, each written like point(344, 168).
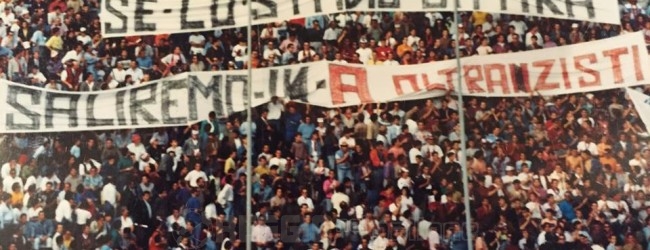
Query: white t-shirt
point(434, 239)
point(364, 54)
point(109, 194)
point(198, 39)
point(305, 200)
point(194, 175)
point(275, 110)
point(126, 223)
point(82, 216)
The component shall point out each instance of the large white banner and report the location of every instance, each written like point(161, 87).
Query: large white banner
point(169, 102)
point(145, 17)
point(612, 63)
point(605, 64)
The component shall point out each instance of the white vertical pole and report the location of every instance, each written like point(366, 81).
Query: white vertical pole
point(249, 137)
point(463, 138)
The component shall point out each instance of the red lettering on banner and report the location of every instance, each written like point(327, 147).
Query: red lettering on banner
point(541, 81)
point(449, 77)
point(581, 80)
point(565, 74)
point(615, 58)
point(637, 63)
point(520, 78)
point(412, 79)
point(338, 88)
point(432, 86)
point(501, 82)
point(472, 81)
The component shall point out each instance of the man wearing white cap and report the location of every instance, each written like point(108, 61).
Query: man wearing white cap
point(365, 53)
point(146, 160)
point(191, 147)
point(510, 175)
point(83, 37)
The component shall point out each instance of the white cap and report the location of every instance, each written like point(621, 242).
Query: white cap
point(54, 53)
point(575, 25)
point(319, 120)
point(460, 26)
point(83, 29)
point(510, 168)
point(403, 169)
point(443, 199)
point(25, 12)
point(195, 132)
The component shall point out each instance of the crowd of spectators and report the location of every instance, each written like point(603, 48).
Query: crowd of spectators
point(565, 172)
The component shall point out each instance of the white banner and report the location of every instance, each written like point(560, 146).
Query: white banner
point(146, 17)
point(605, 64)
point(169, 102)
point(612, 63)
point(642, 104)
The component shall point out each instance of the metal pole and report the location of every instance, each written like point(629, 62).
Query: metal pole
point(463, 139)
point(249, 136)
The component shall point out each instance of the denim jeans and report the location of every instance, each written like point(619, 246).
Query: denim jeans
point(228, 210)
point(342, 173)
point(331, 162)
point(327, 204)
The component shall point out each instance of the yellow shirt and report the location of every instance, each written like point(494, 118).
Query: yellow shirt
point(479, 17)
point(261, 170)
point(230, 164)
point(16, 198)
point(55, 43)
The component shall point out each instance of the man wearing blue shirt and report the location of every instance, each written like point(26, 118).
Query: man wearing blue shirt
point(343, 167)
point(308, 232)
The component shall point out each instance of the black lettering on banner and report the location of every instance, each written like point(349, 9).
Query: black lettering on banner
point(390, 4)
point(550, 5)
point(477, 6)
point(230, 20)
point(296, 7)
point(504, 4)
point(166, 101)
point(229, 83)
point(71, 111)
point(12, 100)
point(140, 12)
point(213, 88)
point(340, 5)
point(318, 8)
point(589, 4)
point(136, 105)
point(271, 5)
point(427, 4)
point(351, 4)
point(108, 27)
point(525, 6)
point(91, 121)
point(189, 24)
point(273, 82)
point(296, 89)
point(119, 105)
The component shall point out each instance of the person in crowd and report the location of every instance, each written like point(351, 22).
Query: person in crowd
point(538, 178)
